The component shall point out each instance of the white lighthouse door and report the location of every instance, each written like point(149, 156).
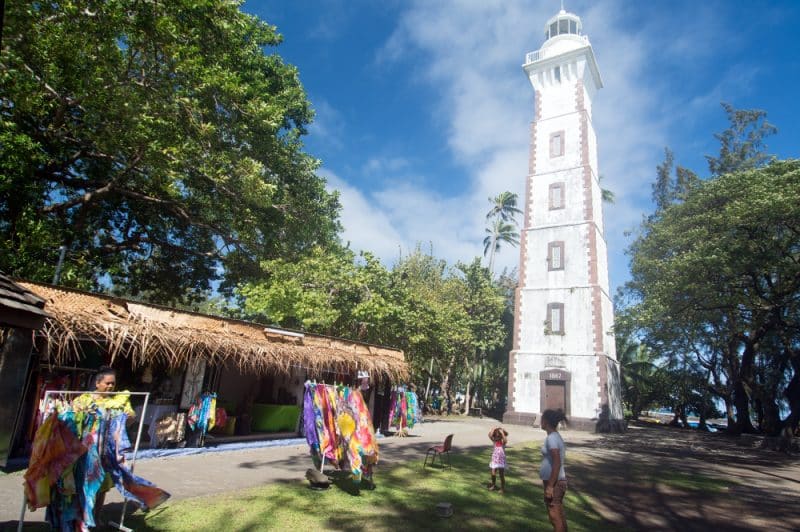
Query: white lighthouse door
point(555, 395)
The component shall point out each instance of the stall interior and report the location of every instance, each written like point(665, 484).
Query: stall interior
point(255, 407)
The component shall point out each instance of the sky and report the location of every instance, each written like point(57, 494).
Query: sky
point(423, 110)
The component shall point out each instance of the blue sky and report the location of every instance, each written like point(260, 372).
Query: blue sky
point(422, 108)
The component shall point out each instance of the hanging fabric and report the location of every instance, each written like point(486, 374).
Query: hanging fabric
point(202, 413)
point(338, 427)
point(404, 411)
point(55, 449)
point(77, 453)
point(310, 429)
point(132, 487)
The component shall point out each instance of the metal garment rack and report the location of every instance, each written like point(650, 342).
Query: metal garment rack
point(146, 395)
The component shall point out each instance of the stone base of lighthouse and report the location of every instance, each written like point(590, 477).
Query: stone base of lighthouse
point(585, 386)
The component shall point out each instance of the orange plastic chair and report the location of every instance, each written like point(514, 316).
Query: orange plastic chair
point(440, 451)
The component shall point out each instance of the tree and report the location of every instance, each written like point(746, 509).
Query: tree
point(606, 195)
point(336, 293)
point(504, 206)
point(157, 143)
point(484, 305)
point(637, 375)
point(504, 210)
point(498, 233)
point(668, 187)
point(718, 277)
point(727, 309)
point(742, 144)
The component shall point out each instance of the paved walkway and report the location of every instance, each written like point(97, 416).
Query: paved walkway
point(212, 473)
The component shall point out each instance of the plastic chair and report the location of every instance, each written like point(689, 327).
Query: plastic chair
point(440, 451)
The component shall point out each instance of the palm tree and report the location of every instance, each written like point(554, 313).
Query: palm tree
point(638, 374)
point(504, 206)
point(499, 231)
point(504, 209)
point(606, 195)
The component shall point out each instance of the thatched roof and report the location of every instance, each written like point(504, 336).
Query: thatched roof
point(148, 334)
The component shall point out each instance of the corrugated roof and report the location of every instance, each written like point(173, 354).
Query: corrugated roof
point(18, 306)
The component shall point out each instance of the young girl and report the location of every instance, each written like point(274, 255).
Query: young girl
point(552, 471)
point(498, 464)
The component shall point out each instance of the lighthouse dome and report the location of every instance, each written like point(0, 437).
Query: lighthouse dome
point(564, 32)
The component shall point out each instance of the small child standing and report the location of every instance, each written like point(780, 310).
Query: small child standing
point(499, 436)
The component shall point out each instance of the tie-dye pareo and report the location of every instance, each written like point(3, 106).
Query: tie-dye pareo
point(55, 449)
point(132, 487)
point(202, 413)
point(412, 414)
point(365, 433)
point(343, 426)
point(312, 419)
point(329, 437)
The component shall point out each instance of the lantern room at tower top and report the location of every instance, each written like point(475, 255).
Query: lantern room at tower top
point(563, 34)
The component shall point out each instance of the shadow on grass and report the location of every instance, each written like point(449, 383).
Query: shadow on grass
point(662, 478)
point(405, 497)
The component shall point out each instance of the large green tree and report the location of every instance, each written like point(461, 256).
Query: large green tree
point(717, 276)
point(157, 143)
point(447, 320)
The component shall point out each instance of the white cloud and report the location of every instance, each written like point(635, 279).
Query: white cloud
point(378, 165)
point(471, 53)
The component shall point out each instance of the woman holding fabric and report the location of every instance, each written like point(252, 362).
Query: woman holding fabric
point(105, 380)
point(105, 460)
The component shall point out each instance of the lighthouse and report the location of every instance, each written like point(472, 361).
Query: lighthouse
point(563, 354)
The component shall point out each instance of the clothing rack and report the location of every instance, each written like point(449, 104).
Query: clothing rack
point(334, 386)
point(118, 526)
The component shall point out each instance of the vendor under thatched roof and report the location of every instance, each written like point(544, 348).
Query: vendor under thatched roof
point(149, 334)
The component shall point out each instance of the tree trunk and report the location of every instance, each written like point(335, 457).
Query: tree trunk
point(479, 395)
point(428, 387)
point(467, 397)
point(729, 412)
point(446, 380)
point(792, 394)
point(741, 397)
point(741, 402)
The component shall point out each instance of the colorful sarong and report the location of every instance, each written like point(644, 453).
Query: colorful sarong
point(132, 487)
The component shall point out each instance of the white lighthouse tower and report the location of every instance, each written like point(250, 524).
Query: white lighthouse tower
point(564, 354)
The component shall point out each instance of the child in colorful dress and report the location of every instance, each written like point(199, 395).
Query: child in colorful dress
point(499, 436)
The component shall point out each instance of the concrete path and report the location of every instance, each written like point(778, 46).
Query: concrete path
point(212, 473)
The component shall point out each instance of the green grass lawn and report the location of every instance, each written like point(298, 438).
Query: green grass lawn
point(406, 497)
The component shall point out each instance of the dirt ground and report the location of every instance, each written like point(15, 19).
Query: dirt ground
point(752, 488)
point(612, 475)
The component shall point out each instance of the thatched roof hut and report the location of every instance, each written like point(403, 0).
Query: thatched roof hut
point(149, 334)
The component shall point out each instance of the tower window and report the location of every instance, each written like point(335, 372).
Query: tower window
point(556, 196)
point(553, 29)
point(557, 74)
point(555, 256)
point(573, 27)
point(557, 144)
point(555, 318)
point(563, 26)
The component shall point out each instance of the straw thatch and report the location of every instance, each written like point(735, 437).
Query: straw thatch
point(151, 335)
